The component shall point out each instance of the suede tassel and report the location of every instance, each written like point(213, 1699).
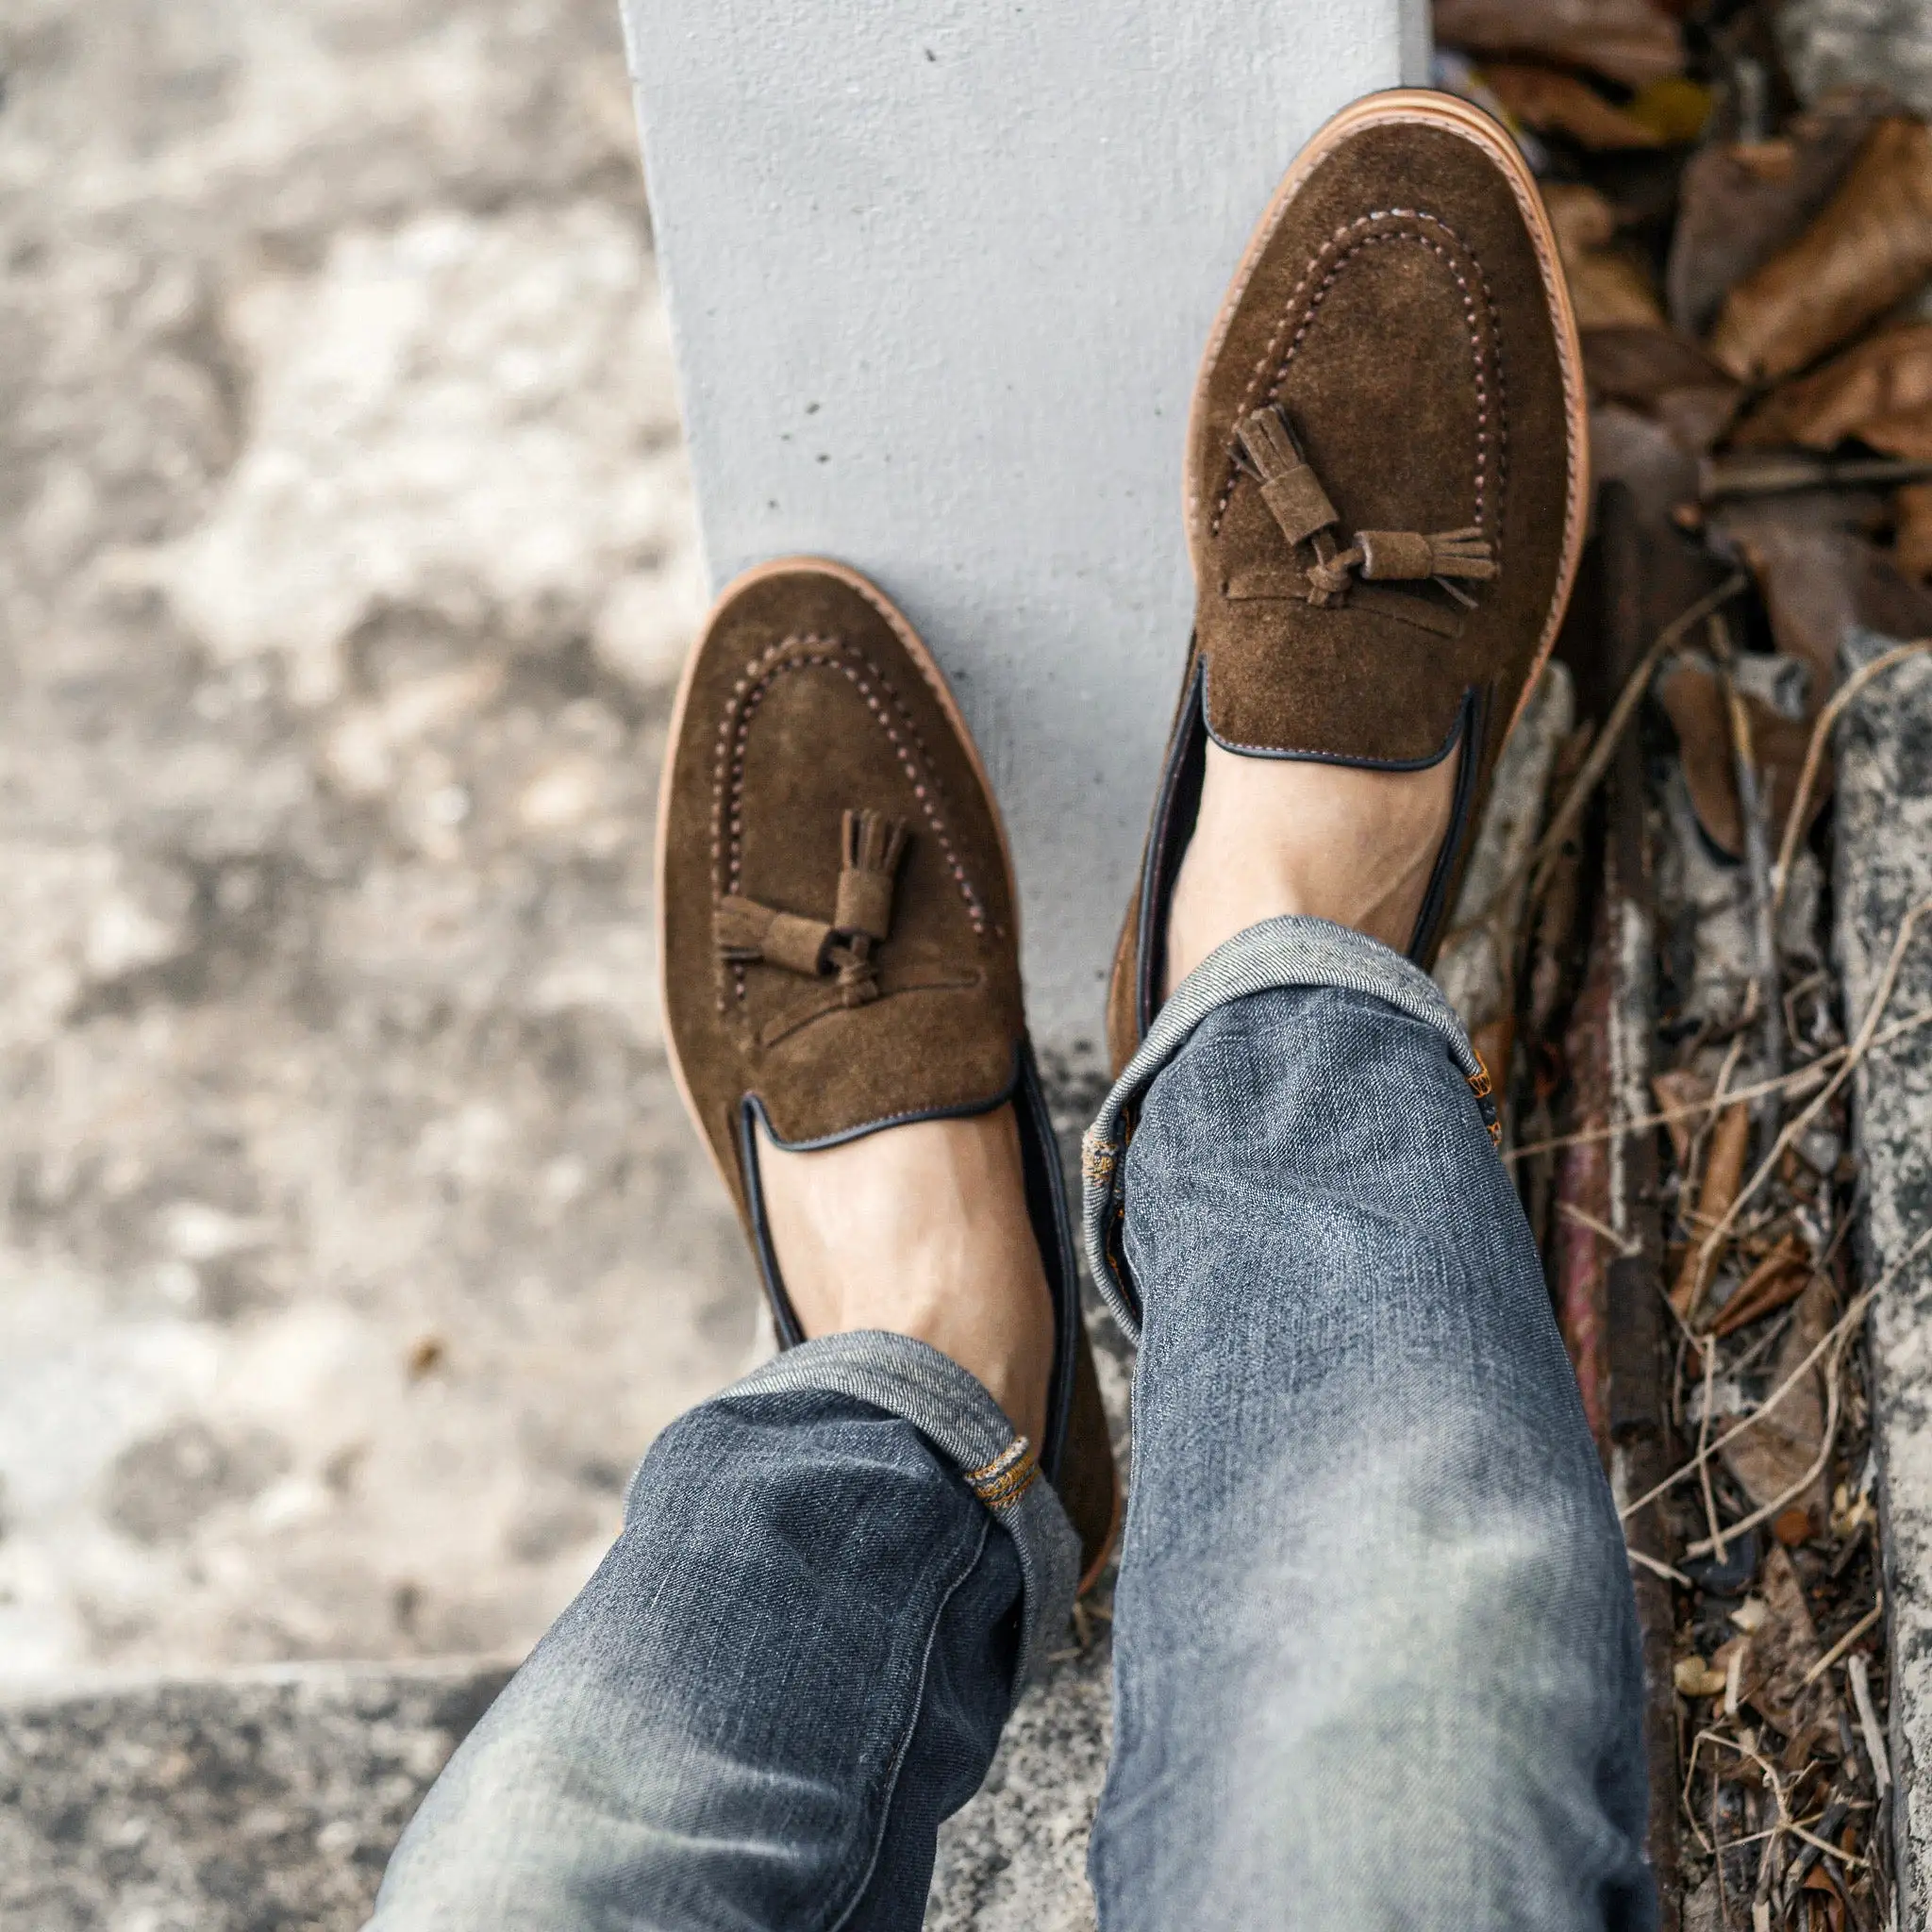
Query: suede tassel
point(1290, 488)
point(745, 930)
point(1268, 446)
point(1405, 554)
point(871, 846)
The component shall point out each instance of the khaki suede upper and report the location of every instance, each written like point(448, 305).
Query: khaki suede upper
point(803, 705)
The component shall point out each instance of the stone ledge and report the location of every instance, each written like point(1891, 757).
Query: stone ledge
point(249, 1801)
point(1883, 868)
point(252, 1801)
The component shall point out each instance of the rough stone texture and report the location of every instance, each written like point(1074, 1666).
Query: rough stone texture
point(1883, 869)
point(241, 1804)
point(1886, 44)
point(1015, 1859)
point(352, 1242)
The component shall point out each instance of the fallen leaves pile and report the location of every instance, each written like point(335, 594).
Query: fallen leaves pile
point(1752, 275)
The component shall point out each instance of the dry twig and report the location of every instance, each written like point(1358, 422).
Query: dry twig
point(1711, 1244)
point(1840, 1329)
point(1701, 1109)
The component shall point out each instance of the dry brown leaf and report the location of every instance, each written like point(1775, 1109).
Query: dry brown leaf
point(1582, 218)
point(1678, 1091)
point(1638, 365)
point(1554, 102)
point(1869, 247)
point(1768, 1459)
point(1698, 418)
point(1739, 203)
point(1782, 1649)
point(1609, 289)
point(1778, 1279)
point(1630, 41)
point(1880, 391)
point(1818, 577)
point(1723, 1168)
point(1661, 373)
point(1914, 546)
point(1694, 702)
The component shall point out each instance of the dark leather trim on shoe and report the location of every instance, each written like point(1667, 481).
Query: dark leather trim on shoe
point(1180, 799)
point(1046, 1207)
point(1176, 806)
point(1449, 861)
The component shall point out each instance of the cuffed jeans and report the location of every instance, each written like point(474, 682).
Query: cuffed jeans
point(1375, 1654)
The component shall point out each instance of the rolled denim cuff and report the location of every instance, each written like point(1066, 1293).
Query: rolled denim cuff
point(951, 1409)
point(1289, 951)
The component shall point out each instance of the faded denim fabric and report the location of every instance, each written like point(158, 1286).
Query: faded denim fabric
point(1375, 1647)
point(793, 1663)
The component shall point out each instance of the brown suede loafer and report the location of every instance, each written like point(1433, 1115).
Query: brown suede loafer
point(1386, 462)
point(838, 934)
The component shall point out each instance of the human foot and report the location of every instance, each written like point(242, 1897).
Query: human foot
point(1291, 835)
point(921, 1229)
point(1386, 466)
point(838, 945)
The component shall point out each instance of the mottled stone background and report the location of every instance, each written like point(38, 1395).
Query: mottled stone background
point(353, 1243)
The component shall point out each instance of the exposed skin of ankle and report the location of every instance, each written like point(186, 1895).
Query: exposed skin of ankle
point(1293, 835)
point(921, 1229)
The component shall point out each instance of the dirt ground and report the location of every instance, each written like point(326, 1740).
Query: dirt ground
point(353, 1243)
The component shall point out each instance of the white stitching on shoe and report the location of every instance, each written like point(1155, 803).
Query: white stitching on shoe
point(1281, 350)
point(801, 652)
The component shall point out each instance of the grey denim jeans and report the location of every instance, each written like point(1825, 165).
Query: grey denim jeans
point(1375, 1654)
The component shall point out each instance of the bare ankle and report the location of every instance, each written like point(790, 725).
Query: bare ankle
point(1278, 836)
point(920, 1230)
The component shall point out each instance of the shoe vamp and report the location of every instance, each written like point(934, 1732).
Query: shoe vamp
point(1398, 315)
point(940, 1035)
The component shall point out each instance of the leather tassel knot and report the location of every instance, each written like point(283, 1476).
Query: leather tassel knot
point(871, 846)
point(1267, 446)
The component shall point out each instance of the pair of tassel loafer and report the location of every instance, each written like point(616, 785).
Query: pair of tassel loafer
point(1385, 505)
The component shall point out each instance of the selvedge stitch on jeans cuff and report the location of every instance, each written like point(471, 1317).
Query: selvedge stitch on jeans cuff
point(1291, 951)
point(1007, 1477)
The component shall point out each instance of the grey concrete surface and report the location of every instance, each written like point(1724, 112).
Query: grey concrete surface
point(352, 1243)
point(262, 1800)
point(940, 280)
point(1883, 871)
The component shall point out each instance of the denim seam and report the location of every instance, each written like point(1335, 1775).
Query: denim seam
point(906, 1738)
point(1291, 951)
point(952, 1410)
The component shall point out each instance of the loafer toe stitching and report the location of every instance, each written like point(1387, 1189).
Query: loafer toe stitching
point(802, 653)
point(1344, 249)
